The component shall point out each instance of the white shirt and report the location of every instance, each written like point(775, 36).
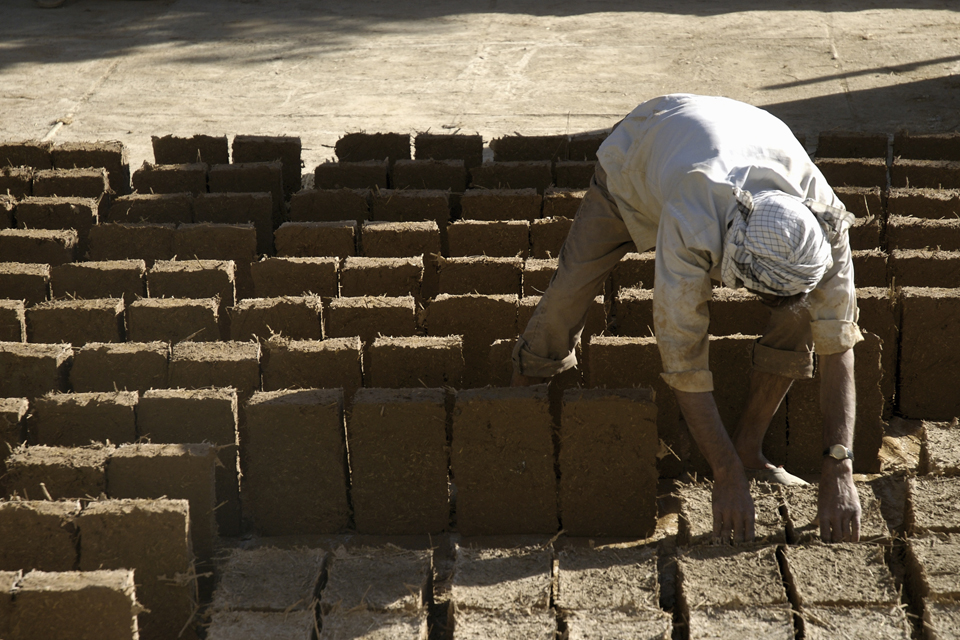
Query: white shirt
point(671, 167)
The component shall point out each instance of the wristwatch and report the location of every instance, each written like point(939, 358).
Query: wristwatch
point(838, 452)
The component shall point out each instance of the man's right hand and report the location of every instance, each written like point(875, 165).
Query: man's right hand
point(733, 510)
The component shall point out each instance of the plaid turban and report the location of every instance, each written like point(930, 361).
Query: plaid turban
point(780, 244)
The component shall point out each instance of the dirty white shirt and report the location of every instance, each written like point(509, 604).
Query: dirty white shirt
point(671, 167)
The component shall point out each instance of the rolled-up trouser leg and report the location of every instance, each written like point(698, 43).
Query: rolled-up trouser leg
point(786, 346)
point(597, 240)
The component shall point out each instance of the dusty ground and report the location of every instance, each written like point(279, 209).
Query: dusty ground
point(124, 69)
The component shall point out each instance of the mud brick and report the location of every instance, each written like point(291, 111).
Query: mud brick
point(171, 178)
point(774, 622)
point(924, 203)
point(28, 282)
point(251, 177)
point(173, 471)
point(53, 213)
point(71, 183)
point(734, 577)
point(316, 239)
point(406, 239)
point(35, 472)
point(92, 280)
point(16, 182)
point(938, 455)
point(78, 419)
point(845, 574)
point(605, 579)
point(547, 236)
point(583, 625)
point(500, 367)
point(293, 317)
point(596, 321)
point(110, 155)
point(414, 362)
point(880, 314)
point(474, 625)
point(825, 623)
point(444, 175)
point(922, 268)
point(370, 174)
point(574, 175)
point(497, 238)
point(286, 149)
point(437, 146)
point(29, 153)
point(635, 271)
point(239, 208)
point(358, 147)
point(480, 274)
point(178, 416)
point(941, 620)
point(76, 321)
point(173, 320)
point(130, 366)
point(537, 275)
point(129, 241)
point(501, 204)
point(294, 462)
point(330, 205)
point(198, 148)
point(608, 466)
point(562, 203)
point(931, 505)
point(696, 514)
point(921, 233)
point(245, 569)
point(634, 312)
point(172, 208)
point(369, 317)
point(31, 370)
point(929, 354)
point(801, 512)
point(38, 535)
point(513, 175)
point(395, 277)
point(863, 202)
point(933, 564)
point(737, 311)
point(854, 172)
point(583, 146)
point(480, 320)
point(506, 483)
point(12, 428)
point(502, 579)
point(927, 146)
point(195, 365)
point(206, 241)
point(8, 579)
point(311, 364)
point(76, 604)
point(38, 246)
point(870, 268)
point(398, 461)
point(384, 579)
point(273, 277)
point(8, 205)
point(152, 537)
point(865, 234)
point(193, 279)
point(852, 144)
point(527, 148)
point(252, 625)
point(929, 174)
point(415, 205)
point(363, 623)
point(13, 324)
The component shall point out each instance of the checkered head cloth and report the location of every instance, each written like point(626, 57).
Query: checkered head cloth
point(780, 244)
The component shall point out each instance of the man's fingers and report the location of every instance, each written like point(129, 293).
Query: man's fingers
point(855, 529)
point(749, 529)
point(738, 527)
point(717, 523)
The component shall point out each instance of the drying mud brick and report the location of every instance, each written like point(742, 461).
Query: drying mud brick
point(315, 239)
point(801, 512)
point(132, 241)
point(924, 203)
point(38, 535)
point(8, 579)
point(562, 203)
point(294, 462)
point(854, 172)
point(206, 241)
point(839, 574)
point(505, 477)
point(583, 146)
point(91, 280)
point(171, 178)
point(286, 149)
point(254, 625)
point(251, 177)
point(870, 268)
point(925, 174)
point(941, 620)
point(173, 471)
point(547, 236)
point(13, 324)
point(586, 625)
point(370, 317)
point(864, 234)
point(737, 311)
point(198, 148)
point(537, 275)
point(730, 577)
point(311, 364)
point(494, 203)
point(635, 271)
point(369, 174)
point(938, 454)
point(414, 362)
point(16, 183)
point(12, 428)
point(110, 155)
point(152, 537)
point(193, 279)
point(412, 205)
point(929, 354)
point(480, 274)
point(634, 312)
point(921, 268)
point(526, 148)
point(386, 579)
point(395, 277)
point(929, 146)
point(862, 202)
point(29, 153)
point(47, 246)
point(173, 320)
point(574, 175)
point(608, 467)
point(500, 367)
point(931, 505)
point(498, 238)
point(330, 205)
point(438, 146)
point(479, 625)
point(180, 416)
point(77, 419)
point(76, 321)
point(502, 579)
point(827, 623)
point(398, 461)
point(71, 183)
point(696, 514)
point(400, 239)
point(852, 144)
point(773, 622)
point(238, 208)
point(270, 579)
point(60, 472)
point(28, 282)
point(933, 565)
point(443, 175)
point(620, 578)
point(76, 604)
point(357, 147)
point(31, 370)
point(194, 365)
point(124, 366)
point(55, 213)
point(297, 318)
point(906, 232)
point(880, 314)
point(374, 625)
point(275, 277)
point(480, 320)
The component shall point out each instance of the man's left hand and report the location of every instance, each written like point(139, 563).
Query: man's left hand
point(838, 506)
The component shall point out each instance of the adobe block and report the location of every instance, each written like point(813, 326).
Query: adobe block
point(76, 321)
point(92, 280)
point(173, 320)
point(127, 366)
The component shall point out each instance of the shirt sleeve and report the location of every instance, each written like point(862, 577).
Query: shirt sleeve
point(833, 304)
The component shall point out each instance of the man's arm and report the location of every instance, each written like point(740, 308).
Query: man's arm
point(839, 504)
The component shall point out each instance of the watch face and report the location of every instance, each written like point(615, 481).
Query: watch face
point(838, 451)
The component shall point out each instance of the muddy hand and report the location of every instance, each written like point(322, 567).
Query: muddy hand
point(733, 510)
point(838, 506)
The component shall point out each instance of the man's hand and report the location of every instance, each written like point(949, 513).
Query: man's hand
point(838, 506)
point(733, 510)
